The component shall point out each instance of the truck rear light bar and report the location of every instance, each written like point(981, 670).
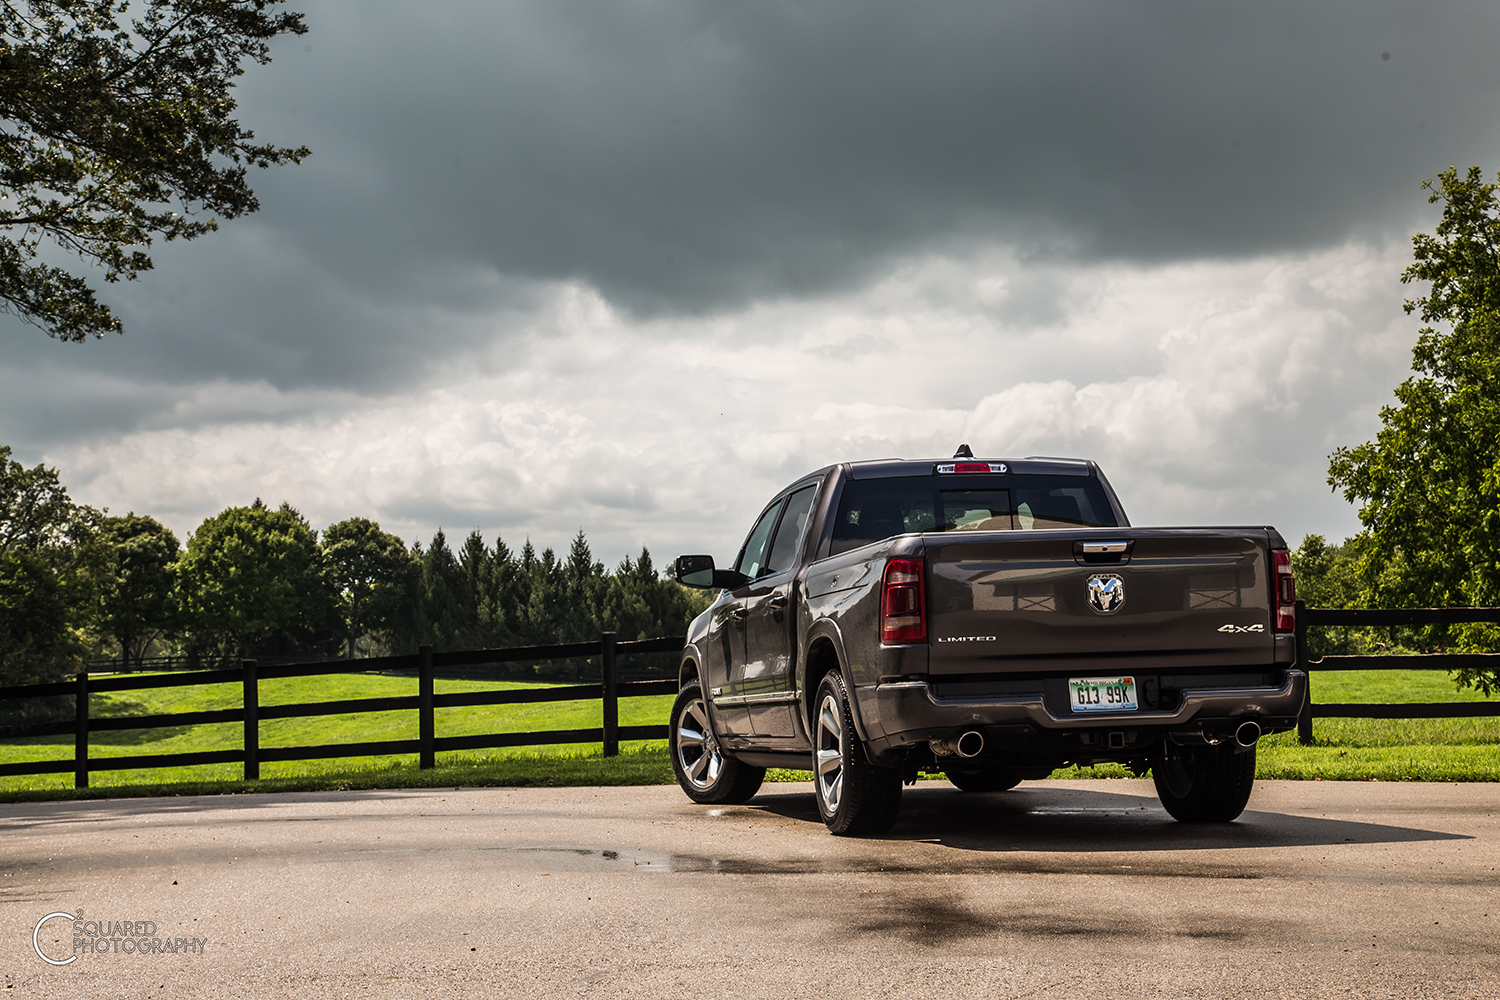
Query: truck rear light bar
point(1283, 591)
point(948, 468)
point(903, 608)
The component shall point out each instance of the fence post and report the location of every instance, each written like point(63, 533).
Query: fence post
point(81, 733)
point(611, 695)
point(1304, 718)
point(252, 722)
point(427, 757)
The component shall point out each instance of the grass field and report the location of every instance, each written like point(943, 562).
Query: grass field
point(1345, 749)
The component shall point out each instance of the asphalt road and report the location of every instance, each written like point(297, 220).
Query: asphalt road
point(1055, 889)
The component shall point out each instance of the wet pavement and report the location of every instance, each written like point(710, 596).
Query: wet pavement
point(1054, 889)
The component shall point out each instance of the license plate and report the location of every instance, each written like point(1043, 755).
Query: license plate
point(1103, 694)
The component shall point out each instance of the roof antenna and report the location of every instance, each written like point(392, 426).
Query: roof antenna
point(963, 452)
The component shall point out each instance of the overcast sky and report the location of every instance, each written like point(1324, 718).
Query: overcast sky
point(632, 267)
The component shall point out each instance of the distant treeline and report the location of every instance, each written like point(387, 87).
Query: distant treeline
point(77, 585)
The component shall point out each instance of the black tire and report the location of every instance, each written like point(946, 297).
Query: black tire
point(993, 778)
point(1204, 784)
point(855, 797)
point(706, 773)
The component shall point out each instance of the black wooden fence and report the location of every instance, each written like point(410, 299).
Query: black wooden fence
point(1393, 617)
point(608, 691)
point(425, 663)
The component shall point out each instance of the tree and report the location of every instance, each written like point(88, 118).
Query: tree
point(136, 573)
point(36, 514)
point(118, 133)
point(369, 570)
point(1429, 484)
point(33, 621)
point(46, 573)
point(252, 575)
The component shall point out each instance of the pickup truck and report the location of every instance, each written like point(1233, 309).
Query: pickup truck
point(986, 620)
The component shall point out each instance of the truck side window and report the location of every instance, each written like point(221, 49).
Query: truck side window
point(752, 561)
point(793, 523)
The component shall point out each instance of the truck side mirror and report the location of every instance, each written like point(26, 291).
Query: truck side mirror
point(699, 572)
point(695, 571)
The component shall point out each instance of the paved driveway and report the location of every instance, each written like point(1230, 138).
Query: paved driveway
point(1056, 889)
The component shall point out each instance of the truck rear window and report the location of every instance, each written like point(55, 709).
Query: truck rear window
point(873, 509)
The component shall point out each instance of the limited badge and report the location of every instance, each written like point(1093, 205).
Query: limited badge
point(1106, 593)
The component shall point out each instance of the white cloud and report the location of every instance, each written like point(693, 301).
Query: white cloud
point(1209, 392)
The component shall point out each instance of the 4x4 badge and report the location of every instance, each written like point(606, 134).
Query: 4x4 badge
point(1106, 593)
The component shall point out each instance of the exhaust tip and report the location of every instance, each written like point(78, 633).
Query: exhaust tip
point(1247, 734)
point(969, 744)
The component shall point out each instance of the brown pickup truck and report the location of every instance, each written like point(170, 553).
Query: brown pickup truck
point(990, 620)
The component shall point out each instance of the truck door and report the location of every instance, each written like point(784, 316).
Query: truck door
point(771, 626)
point(728, 693)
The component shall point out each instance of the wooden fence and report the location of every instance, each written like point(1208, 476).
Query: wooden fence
point(1388, 617)
point(425, 663)
point(608, 691)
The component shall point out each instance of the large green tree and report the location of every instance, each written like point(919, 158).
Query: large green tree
point(254, 577)
point(34, 645)
point(1428, 486)
point(46, 573)
point(36, 514)
point(119, 128)
point(136, 582)
point(369, 570)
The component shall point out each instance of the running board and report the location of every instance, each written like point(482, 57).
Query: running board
point(763, 758)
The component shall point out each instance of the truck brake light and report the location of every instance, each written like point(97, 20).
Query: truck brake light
point(949, 468)
point(1283, 591)
point(903, 609)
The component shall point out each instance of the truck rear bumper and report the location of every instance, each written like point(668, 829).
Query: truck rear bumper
point(911, 713)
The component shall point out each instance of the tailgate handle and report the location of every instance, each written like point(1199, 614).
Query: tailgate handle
point(1093, 553)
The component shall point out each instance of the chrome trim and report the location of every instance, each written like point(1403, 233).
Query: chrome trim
point(774, 698)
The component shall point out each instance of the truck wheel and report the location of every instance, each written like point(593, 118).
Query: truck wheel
point(854, 796)
point(1204, 784)
point(994, 778)
point(703, 770)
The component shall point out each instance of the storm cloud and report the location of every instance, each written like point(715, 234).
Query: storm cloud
point(628, 267)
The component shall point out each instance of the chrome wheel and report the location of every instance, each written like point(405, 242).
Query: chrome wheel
point(704, 770)
point(698, 755)
point(830, 753)
point(855, 796)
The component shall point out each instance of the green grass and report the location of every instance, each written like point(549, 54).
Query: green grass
point(1345, 749)
point(563, 763)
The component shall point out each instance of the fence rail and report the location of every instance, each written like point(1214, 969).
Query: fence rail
point(610, 689)
point(1392, 617)
point(425, 702)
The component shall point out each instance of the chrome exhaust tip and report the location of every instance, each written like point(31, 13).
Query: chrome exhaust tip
point(969, 744)
point(1247, 734)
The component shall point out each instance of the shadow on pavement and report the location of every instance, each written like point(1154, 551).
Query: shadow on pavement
point(1073, 821)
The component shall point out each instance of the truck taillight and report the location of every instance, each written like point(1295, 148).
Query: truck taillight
point(903, 610)
point(1283, 591)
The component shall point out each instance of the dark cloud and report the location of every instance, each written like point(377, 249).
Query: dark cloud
point(690, 157)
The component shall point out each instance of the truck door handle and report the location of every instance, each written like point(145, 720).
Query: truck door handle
point(738, 617)
point(777, 602)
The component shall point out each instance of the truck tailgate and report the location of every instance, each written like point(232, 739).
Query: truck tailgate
point(1009, 602)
